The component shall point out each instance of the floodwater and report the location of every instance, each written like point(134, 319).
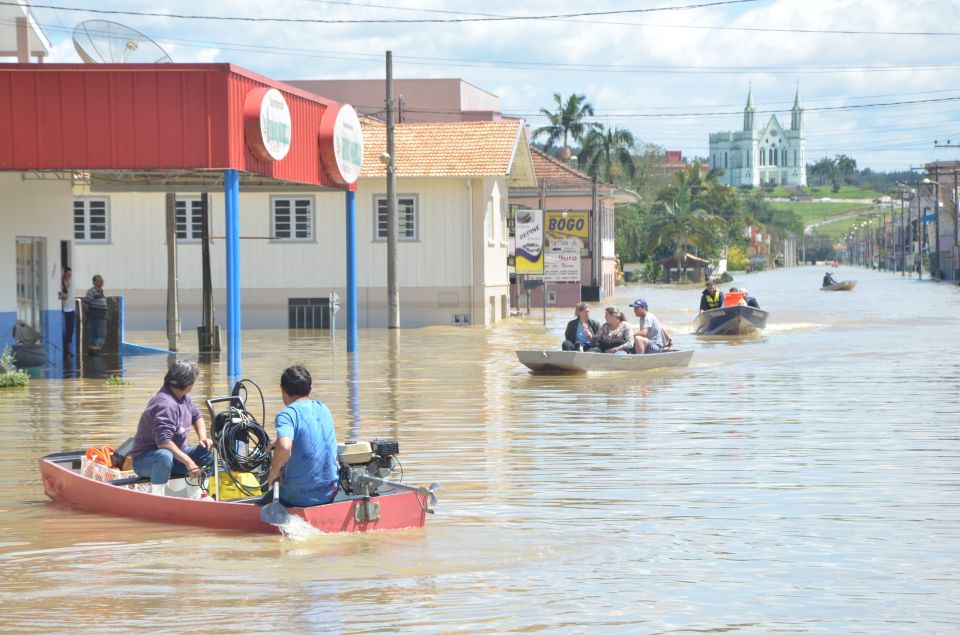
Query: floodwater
point(805, 481)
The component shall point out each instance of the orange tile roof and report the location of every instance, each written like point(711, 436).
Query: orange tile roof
point(558, 175)
point(438, 149)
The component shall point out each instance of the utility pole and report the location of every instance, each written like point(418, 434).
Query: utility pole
point(393, 293)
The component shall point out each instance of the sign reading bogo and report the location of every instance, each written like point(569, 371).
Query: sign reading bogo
point(266, 123)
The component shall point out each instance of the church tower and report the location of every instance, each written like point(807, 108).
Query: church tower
point(748, 111)
point(796, 115)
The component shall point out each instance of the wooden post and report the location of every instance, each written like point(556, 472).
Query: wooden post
point(173, 308)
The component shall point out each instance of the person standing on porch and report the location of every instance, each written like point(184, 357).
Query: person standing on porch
point(66, 306)
point(95, 316)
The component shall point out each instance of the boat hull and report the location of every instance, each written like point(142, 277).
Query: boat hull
point(843, 285)
point(730, 320)
point(400, 510)
point(581, 362)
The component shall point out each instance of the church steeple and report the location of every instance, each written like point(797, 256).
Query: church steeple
point(748, 111)
point(796, 115)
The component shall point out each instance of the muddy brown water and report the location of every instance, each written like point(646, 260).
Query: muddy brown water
point(803, 481)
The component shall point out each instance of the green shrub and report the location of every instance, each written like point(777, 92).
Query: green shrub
point(736, 259)
point(117, 380)
point(9, 375)
point(653, 272)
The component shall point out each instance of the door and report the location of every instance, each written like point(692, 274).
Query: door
point(31, 280)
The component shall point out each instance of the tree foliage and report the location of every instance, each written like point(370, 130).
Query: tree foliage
point(607, 154)
point(568, 122)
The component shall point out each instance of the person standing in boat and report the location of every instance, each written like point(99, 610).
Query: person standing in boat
point(160, 448)
point(95, 316)
point(828, 279)
point(651, 337)
point(711, 298)
point(305, 450)
point(580, 330)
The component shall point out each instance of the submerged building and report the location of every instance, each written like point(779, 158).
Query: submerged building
point(753, 156)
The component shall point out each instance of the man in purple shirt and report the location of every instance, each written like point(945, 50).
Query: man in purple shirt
point(160, 448)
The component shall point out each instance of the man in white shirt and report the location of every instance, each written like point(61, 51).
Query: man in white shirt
point(650, 337)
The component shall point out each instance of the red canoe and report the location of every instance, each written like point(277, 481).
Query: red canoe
point(63, 483)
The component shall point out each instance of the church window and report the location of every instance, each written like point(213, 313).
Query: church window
point(748, 158)
point(773, 156)
point(795, 162)
point(784, 157)
point(724, 160)
point(762, 157)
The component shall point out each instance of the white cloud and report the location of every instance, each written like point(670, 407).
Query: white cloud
point(662, 59)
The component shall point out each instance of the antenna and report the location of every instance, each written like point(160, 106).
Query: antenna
point(105, 42)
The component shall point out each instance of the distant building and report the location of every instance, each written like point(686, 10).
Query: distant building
point(769, 155)
point(418, 99)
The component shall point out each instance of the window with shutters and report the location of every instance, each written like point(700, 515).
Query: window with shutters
point(91, 220)
point(407, 218)
point(291, 219)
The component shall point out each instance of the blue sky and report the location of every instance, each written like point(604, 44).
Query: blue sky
point(671, 77)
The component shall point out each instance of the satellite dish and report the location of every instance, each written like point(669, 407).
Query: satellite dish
point(105, 42)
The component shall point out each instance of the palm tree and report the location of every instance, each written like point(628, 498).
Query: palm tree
point(608, 154)
point(682, 222)
point(567, 123)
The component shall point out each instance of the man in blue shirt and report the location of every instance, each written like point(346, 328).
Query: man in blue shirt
point(305, 452)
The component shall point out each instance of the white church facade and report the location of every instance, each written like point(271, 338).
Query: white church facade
point(770, 155)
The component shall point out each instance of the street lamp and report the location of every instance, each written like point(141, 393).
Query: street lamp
point(936, 229)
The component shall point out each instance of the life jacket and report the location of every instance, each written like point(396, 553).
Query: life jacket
point(713, 301)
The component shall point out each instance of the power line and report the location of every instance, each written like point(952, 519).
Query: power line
point(504, 18)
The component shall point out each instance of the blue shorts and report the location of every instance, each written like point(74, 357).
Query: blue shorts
point(653, 347)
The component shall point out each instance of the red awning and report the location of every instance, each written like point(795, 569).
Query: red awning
point(149, 117)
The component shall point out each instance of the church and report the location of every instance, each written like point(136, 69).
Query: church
point(769, 155)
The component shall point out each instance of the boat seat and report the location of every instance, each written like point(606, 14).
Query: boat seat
point(133, 480)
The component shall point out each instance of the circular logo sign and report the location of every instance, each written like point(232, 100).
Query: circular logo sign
point(341, 145)
point(267, 123)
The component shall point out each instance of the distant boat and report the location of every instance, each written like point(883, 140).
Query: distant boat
point(584, 362)
point(843, 285)
point(738, 319)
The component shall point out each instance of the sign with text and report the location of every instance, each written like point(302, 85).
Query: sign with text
point(562, 261)
point(566, 225)
point(529, 233)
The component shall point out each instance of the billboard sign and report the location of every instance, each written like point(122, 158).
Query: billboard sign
point(562, 261)
point(529, 236)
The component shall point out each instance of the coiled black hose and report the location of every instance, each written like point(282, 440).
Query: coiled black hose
point(243, 446)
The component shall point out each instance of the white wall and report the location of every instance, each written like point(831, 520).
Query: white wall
point(34, 208)
point(436, 272)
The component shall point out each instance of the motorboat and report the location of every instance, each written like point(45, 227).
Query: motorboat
point(843, 285)
point(541, 361)
point(737, 319)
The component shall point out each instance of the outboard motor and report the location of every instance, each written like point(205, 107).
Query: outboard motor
point(365, 464)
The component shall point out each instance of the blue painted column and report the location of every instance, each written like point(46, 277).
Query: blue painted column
point(231, 192)
point(351, 271)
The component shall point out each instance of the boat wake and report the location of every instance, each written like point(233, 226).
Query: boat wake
point(297, 529)
point(782, 327)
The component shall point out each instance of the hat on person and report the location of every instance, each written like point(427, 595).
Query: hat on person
point(639, 302)
point(743, 291)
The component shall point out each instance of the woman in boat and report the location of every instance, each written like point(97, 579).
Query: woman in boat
point(160, 448)
point(616, 334)
point(580, 330)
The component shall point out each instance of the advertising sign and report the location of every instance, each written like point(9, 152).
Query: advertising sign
point(562, 261)
point(566, 225)
point(266, 123)
point(529, 233)
point(341, 144)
